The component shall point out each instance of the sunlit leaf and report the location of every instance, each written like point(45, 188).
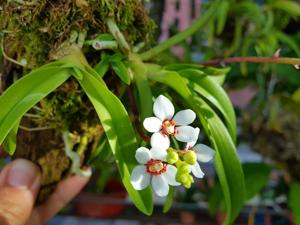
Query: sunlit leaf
point(289, 6)
point(26, 92)
point(227, 165)
point(143, 88)
point(10, 142)
point(120, 134)
point(214, 93)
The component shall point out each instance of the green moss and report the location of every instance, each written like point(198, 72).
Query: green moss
point(36, 31)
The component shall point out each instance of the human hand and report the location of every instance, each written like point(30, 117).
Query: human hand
point(19, 186)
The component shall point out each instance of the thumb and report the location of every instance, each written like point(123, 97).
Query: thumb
point(19, 185)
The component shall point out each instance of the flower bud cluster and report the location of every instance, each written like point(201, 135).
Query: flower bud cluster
point(163, 165)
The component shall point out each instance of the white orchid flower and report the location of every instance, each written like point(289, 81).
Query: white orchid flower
point(203, 152)
point(153, 171)
point(164, 124)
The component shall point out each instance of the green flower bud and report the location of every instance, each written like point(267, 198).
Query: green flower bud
point(182, 178)
point(183, 168)
point(190, 157)
point(188, 182)
point(172, 157)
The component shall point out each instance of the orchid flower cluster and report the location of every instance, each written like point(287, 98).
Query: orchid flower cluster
point(163, 165)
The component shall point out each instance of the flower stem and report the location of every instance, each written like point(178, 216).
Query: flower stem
point(115, 31)
point(199, 23)
point(252, 59)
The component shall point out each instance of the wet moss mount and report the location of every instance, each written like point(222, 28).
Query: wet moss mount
point(37, 32)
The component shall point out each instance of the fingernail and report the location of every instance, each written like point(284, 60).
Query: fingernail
point(22, 173)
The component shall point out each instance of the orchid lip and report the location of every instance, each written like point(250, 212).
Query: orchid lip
point(168, 128)
point(156, 167)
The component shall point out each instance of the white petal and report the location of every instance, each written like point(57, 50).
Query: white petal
point(186, 134)
point(163, 108)
point(192, 143)
point(184, 117)
point(140, 179)
point(158, 153)
point(160, 141)
point(170, 175)
point(142, 155)
point(196, 170)
point(152, 124)
point(204, 153)
point(160, 185)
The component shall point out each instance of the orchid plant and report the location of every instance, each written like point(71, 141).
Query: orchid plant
point(170, 157)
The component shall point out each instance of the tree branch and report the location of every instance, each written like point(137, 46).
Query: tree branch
point(264, 60)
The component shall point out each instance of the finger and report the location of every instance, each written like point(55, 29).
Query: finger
point(19, 185)
point(64, 193)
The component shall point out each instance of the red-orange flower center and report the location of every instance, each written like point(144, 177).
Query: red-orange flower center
point(156, 167)
point(168, 127)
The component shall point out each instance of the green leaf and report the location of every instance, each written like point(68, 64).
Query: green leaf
point(256, 177)
point(215, 198)
point(101, 37)
point(288, 40)
point(104, 37)
point(26, 92)
point(169, 200)
point(143, 87)
point(121, 70)
point(120, 134)
point(289, 6)
point(294, 201)
point(101, 147)
point(249, 10)
point(213, 71)
point(214, 93)
point(222, 16)
point(182, 66)
point(116, 57)
point(102, 66)
point(10, 142)
point(227, 164)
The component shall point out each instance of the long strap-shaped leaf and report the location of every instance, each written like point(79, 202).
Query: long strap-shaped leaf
point(26, 92)
point(120, 134)
point(226, 161)
point(214, 93)
point(143, 87)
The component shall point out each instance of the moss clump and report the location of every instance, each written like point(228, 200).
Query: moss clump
point(34, 30)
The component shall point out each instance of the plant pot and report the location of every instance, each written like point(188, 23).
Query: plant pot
point(102, 205)
point(187, 217)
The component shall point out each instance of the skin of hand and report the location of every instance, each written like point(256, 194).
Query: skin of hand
point(19, 186)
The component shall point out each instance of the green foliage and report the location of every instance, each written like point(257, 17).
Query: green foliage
point(26, 92)
point(294, 201)
point(226, 162)
point(256, 177)
point(195, 86)
point(120, 134)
